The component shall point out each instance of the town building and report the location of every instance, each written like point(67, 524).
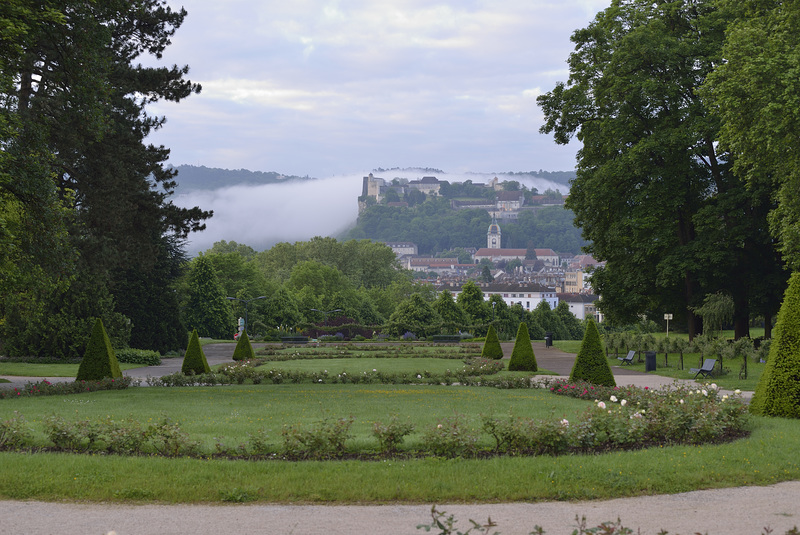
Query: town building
point(526, 294)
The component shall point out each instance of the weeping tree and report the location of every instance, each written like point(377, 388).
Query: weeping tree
point(717, 311)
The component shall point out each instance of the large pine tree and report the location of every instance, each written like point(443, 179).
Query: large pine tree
point(207, 311)
point(78, 108)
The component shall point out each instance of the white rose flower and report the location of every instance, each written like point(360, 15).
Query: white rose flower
point(613, 399)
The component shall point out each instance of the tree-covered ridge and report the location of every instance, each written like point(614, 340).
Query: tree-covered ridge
point(434, 226)
point(193, 177)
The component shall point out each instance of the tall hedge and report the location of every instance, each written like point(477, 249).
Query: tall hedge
point(491, 347)
point(194, 362)
point(522, 356)
point(778, 390)
point(243, 351)
point(99, 360)
point(591, 364)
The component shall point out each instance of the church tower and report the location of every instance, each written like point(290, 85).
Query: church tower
point(493, 235)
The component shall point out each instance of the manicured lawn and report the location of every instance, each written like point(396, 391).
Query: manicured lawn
point(359, 365)
point(767, 456)
point(27, 369)
point(231, 412)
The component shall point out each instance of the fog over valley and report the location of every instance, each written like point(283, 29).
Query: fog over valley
point(263, 215)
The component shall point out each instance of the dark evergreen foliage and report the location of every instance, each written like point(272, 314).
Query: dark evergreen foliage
point(590, 363)
point(522, 356)
point(491, 347)
point(194, 361)
point(99, 360)
point(208, 311)
point(244, 350)
point(778, 390)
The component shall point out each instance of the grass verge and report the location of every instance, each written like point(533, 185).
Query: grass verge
point(766, 457)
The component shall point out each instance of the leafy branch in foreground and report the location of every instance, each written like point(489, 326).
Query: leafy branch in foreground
point(446, 525)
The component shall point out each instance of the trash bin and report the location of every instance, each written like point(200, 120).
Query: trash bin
point(649, 361)
point(548, 339)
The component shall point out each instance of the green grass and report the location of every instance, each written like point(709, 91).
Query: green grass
point(767, 456)
point(568, 346)
point(366, 349)
point(234, 411)
point(28, 369)
point(359, 365)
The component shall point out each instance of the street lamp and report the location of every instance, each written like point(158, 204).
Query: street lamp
point(245, 301)
point(326, 313)
point(493, 304)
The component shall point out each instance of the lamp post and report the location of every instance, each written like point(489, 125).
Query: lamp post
point(245, 301)
point(326, 313)
point(493, 305)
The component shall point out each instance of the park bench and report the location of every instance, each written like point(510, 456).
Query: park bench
point(627, 359)
point(706, 369)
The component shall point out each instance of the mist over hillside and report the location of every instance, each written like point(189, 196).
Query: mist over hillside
point(290, 209)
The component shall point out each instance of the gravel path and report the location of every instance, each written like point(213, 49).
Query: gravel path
point(738, 511)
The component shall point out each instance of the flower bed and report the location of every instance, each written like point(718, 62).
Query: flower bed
point(46, 388)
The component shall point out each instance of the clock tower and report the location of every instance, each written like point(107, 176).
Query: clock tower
point(493, 235)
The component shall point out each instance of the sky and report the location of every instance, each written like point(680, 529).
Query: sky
point(326, 88)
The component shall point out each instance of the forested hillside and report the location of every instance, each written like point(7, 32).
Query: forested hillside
point(435, 227)
point(192, 177)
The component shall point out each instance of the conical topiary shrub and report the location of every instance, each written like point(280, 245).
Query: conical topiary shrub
point(522, 357)
point(99, 360)
point(591, 364)
point(243, 351)
point(491, 347)
point(778, 390)
point(194, 362)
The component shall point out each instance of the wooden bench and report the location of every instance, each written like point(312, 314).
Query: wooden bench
point(706, 369)
point(627, 359)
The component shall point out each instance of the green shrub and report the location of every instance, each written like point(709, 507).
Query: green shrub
point(195, 360)
point(139, 356)
point(778, 390)
point(99, 360)
point(591, 364)
point(243, 351)
point(491, 348)
point(522, 356)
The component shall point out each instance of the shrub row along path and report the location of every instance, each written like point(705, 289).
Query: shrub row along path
point(735, 511)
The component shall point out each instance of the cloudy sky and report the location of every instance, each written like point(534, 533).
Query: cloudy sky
point(326, 88)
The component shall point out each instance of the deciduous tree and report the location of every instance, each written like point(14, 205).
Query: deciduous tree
point(653, 193)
